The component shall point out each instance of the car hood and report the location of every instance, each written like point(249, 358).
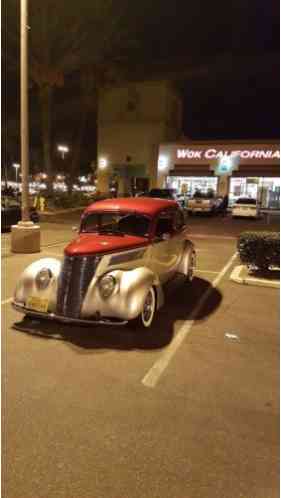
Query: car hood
point(100, 243)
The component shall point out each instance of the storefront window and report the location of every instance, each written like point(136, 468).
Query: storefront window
point(266, 190)
point(188, 185)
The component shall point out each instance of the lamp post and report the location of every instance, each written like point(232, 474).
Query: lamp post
point(63, 149)
point(25, 236)
point(24, 110)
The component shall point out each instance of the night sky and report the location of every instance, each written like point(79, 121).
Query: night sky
point(236, 44)
point(224, 54)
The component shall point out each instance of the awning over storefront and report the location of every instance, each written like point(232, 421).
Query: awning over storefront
point(270, 170)
point(191, 170)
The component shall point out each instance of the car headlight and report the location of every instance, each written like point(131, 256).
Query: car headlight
point(43, 278)
point(107, 285)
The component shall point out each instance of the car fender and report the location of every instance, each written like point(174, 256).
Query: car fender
point(184, 263)
point(127, 300)
point(26, 285)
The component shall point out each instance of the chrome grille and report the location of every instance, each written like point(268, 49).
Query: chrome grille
point(75, 277)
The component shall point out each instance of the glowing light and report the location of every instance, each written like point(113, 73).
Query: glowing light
point(103, 163)
point(163, 163)
point(63, 149)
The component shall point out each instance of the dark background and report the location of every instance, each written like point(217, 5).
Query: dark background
point(225, 57)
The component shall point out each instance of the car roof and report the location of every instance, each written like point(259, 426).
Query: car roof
point(144, 205)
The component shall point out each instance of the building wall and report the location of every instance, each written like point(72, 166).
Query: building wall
point(132, 121)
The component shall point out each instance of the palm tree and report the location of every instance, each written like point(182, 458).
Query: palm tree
point(64, 38)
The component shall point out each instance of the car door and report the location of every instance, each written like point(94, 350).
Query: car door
point(164, 246)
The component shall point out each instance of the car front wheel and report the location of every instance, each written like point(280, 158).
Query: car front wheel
point(149, 309)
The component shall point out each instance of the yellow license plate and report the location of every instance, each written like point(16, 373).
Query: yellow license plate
point(37, 304)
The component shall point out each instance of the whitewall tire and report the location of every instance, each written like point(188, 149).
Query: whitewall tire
point(149, 308)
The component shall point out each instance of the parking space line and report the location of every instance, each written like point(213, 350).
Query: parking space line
point(206, 271)
point(57, 255)
point(153, 375)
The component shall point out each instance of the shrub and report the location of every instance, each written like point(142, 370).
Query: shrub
point(260, 250)
point(64, 200)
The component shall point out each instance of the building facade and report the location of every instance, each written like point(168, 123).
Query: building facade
point(232, 168)
point(138, 128)
point(132, 121)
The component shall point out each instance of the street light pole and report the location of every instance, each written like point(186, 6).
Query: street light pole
point(24, 110)
point(25, 236)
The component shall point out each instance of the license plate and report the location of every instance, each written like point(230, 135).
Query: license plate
point(37, 304)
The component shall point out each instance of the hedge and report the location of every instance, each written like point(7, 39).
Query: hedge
point(260, 250)
point(65, 200)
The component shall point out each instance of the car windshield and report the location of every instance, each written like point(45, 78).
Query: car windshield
point(116, 224)
point(243, 200)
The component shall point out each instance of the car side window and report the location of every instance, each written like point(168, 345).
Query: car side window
point(164, 224)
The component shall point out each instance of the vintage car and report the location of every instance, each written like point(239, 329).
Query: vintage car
point(115, 270)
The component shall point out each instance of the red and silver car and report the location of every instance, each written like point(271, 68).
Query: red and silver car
point(114, 271)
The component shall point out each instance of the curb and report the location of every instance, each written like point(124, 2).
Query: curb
point(211, 236)
point(236, 276)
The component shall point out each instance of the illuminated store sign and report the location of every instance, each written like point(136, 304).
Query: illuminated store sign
point(219, 154)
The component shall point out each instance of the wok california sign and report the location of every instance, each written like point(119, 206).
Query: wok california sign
point(216, 153)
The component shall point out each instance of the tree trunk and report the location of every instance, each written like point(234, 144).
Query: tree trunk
point(45, 97)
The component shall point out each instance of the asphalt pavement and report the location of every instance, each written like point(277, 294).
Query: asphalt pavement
point(188, 409)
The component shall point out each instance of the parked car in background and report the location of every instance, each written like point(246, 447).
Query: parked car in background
point(165, 193)
point(11, 212)
point(204, 203)
point(115, 270)
point(246, 207)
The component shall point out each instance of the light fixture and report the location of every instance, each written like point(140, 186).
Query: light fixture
point(103, 163)
point(63, 149)
point(163, 163)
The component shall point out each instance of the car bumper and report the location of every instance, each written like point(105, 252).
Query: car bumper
point(64, 319)
point(201, 209)
point(244, 214)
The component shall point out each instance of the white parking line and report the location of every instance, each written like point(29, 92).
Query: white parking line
point(154, 374)
point(55, 254)
point(206, 271)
